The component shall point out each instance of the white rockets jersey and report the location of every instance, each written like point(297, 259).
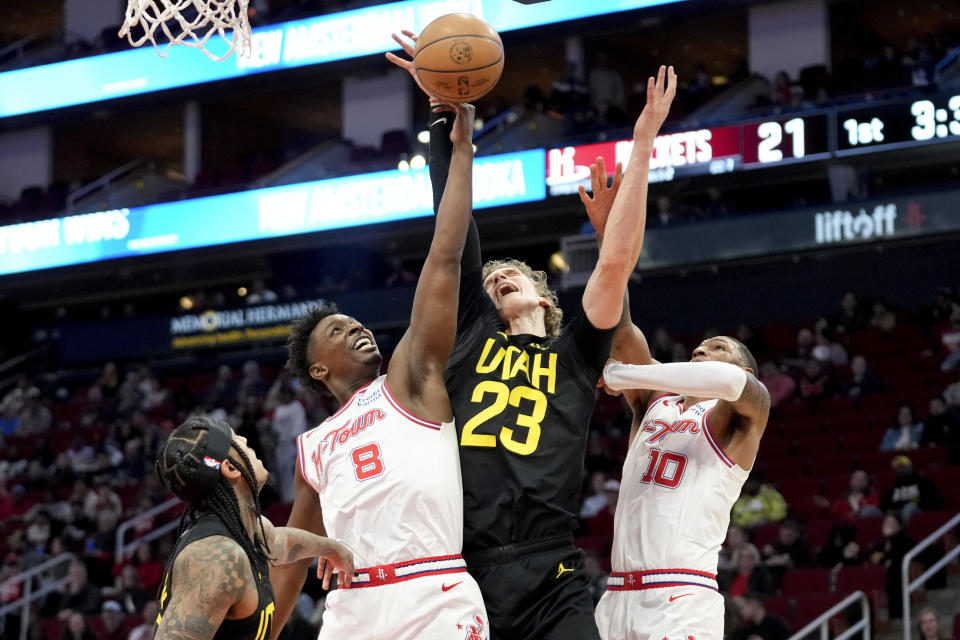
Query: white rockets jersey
point(388, 481)
point(676, 493)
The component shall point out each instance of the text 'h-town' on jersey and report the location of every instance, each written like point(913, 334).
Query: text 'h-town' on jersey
point(677, 491)
point(388, 481)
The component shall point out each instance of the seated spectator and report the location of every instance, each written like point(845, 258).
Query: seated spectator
point(111, 625)
point(910, 491)
point(952, 395)
point(930, 625)
point(882, 318)
point(860, 501)
point(602, 523)
point(841, 548)
point(76, 628)
point(79, 595)
point(781, 93)
point(736, 540)
point(851, 316)
point(758, 504)
point(815, 383)
point(790, 549)
point(780, 386)
point(826, 349)
point(863, 380)
point(950, 339)
point(889, 554)
point(148, 567)
point(751, 575)
point(144, 631)
point(596, 500)
point(758, 623)
point(35, 417)
point(906, 434)
point(260, 294)
point(941, 427)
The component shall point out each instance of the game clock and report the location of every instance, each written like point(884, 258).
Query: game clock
point(900, 124)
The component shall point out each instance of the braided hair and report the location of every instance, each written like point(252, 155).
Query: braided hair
point(186, 467)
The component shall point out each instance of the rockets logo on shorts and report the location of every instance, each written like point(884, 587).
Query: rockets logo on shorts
point(474, 627)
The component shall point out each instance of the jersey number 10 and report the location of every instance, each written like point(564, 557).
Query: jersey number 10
point(665, 468)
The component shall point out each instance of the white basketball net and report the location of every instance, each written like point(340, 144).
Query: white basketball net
point(196, 20)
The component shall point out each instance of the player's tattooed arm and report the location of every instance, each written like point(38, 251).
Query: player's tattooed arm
point(208, 578)
point(289, 544)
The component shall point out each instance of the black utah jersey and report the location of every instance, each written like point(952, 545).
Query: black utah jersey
point(522, 405)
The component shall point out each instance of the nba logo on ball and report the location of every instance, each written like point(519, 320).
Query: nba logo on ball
point(460, 52)
point(464, 70)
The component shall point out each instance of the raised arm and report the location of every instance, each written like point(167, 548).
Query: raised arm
point(740, 415)
point(441, 151)
point(415, 373)
point(288, 579)
point(208, 578)
point(623, 232)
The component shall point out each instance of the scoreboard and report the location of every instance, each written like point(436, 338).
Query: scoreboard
point(769, 142)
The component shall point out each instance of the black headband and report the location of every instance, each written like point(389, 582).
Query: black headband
point(219, 439)
point(212, 457)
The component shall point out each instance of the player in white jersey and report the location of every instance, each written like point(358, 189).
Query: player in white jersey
point(695, 434)
point(382, 474)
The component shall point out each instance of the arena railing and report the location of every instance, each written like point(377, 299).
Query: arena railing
point(124, 548)
point(910, 587)
point(29, 595)
point(823, 620)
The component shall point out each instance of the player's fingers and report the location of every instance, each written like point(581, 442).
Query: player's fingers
point(320, 562)
point(397, 60)
point(617, 175)
point(672, 89)
point(583, 195)
point(661, 78)
point(410, 34)
point(650, 92)
point(327, 575)
point(603, 172)
point(593, 177)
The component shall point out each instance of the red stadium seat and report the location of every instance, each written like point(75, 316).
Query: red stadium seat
point(52, 628)
point(924, 523)
point(800, 581)
point(945, 479)
point(866, 578)
point(869, 532)
point(819, 530)
point(809, 606)
point(765, 534)
point(779, 605)
point(956, 627)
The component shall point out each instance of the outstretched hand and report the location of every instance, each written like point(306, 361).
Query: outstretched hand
point(462, 132)
point(337, 558)
point(409, 46)
point(660, 94)
point(598, 205)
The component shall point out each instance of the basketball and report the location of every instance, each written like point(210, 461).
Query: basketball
point(459, 57)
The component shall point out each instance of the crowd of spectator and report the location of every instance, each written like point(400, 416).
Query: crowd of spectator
point(77, 461)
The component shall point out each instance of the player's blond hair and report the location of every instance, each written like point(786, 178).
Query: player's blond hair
point(553, 315)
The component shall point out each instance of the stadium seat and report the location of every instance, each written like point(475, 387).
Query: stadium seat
point(819, 530)
point(810, 605)
point(800, 581)
point(956, 627)
point(864, 578)
point(924, 523)
point(765, 534)
point(869, 532)
point(779, 605)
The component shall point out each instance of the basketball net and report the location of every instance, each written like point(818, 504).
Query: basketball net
point(197, 21)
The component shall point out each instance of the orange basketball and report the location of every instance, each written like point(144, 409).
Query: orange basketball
point(459, 57)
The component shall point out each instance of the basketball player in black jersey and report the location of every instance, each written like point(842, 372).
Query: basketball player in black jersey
point(523, 390)
point(217, 583)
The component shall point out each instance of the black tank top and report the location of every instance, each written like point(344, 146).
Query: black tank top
point(257, 625)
